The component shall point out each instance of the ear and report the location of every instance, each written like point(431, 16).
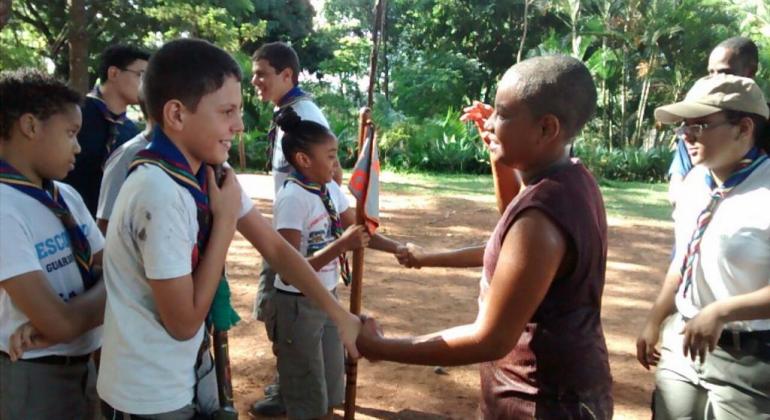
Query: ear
point(287, 74)
point(174, 115)
point(302, 160)
point(745, 128)
point(112, 72)
point(29, 125)
point(550, 128)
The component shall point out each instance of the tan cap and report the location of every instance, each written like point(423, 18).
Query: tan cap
point(719, 92)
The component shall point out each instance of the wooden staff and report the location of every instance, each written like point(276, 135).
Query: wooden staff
point(227, 409)
point(364, 124)
point(356, 285)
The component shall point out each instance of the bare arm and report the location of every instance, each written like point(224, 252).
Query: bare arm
point(378, 241)
point(531, 255)
point(646, 344)
point(183, 302)
point(285, 259)
point(56, 320)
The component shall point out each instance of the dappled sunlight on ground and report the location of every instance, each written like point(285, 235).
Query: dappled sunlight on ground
point(421, 301)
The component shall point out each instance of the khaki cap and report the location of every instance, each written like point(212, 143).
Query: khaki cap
point(715, 93)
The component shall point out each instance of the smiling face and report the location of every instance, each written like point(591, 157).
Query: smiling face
point(208, 132)
point(55, 144)
point(271, 84)
point(517, 138)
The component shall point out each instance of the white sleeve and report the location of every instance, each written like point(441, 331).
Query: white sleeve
point(338, 197)
point(17, 251)
point(290, 211)
point(162, 232)
point(115, 172)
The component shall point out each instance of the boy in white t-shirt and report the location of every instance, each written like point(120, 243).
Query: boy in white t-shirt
point(165, 255)
point(50, 253)
point(313, 215)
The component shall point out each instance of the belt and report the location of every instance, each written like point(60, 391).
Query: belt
point(735, 339)
point(290, 293)
point(54, 360)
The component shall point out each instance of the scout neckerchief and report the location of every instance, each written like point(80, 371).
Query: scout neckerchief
point(747, 165)
point(164, 154)
point(336, 226)
point(50, 197)
point(290, 98)
point(113, 120)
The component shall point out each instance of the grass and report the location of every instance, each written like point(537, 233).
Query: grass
point(623, 200)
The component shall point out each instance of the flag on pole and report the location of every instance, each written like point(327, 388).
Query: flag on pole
point(365, 182)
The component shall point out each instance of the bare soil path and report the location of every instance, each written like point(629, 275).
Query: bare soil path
point(420, 301)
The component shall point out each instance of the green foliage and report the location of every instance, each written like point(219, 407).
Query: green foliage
point(627, 164)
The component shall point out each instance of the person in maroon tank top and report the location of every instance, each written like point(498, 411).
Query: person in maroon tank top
point(538, 334)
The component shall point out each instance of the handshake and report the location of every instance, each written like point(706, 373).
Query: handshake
point(410, 255)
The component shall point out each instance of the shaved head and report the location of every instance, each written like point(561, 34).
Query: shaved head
point(738, 56)
point(557, 85)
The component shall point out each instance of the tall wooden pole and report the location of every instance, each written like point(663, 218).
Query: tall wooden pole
point(356, 287)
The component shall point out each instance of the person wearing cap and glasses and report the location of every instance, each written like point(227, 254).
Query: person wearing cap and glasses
point(714, 306)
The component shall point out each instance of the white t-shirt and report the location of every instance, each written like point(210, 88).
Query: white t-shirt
point(32, 238)
point(306, 109)
point(298, 209)
point(735, 248)
point(115, 172)
point(151, 234)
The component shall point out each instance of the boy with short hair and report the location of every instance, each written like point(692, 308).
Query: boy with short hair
point(105, 123)
point(165, 254)
point(538, 334)
point(50, 253)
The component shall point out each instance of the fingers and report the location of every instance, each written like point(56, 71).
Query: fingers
point(15, 349)
point(641, 353)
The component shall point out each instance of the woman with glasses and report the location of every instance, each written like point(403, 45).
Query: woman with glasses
point(713, 312)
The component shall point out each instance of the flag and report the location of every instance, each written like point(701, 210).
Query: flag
point(365, 182)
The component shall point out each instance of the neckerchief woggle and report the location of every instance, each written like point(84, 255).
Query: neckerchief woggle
point(753, 159)
point(50, 197)
point(113, 119)
point(336, 223)
point(291, 97)
point(162, 153)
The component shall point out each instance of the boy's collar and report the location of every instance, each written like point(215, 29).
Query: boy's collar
point(290, 96)
point(163, 145)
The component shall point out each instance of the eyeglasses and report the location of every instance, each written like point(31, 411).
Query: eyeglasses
point(138, 73)
point(695, 130)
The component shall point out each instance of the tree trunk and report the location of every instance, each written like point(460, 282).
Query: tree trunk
point(524, 31)
point(385, 65)
point(78, 43)
point(5, 12)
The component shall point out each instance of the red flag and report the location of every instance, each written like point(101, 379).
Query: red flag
point(365, 182)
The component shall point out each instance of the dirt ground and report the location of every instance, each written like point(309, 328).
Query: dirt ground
point(421, 301)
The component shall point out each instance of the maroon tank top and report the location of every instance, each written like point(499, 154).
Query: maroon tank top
point(562, 353)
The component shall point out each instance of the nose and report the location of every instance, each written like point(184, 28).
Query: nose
point(238, 127)
point(254, 80)
point(77, 148)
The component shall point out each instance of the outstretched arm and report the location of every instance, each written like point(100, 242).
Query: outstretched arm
point(531, 254)
point(287, 262)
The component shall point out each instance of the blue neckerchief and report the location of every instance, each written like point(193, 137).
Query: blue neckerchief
point(293, 93)
point(110, 116)
point(749, 163)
